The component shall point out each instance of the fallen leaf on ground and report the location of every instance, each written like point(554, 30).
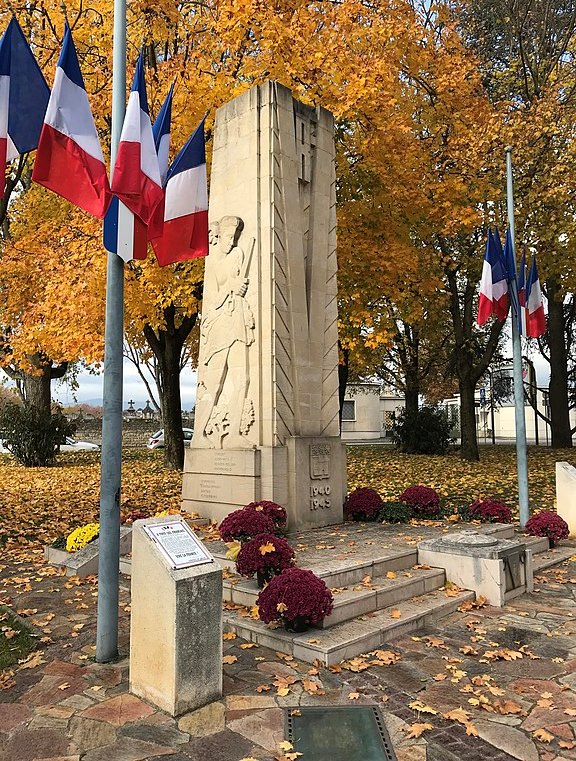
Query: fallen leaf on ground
point(353, 695)
point(396, 613)
point(415, 730)
point(543, 735)
point(417, 705)
point(229, 659)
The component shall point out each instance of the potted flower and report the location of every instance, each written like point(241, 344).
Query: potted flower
point(490, 511)
point(547, 523)
point(272, 510)
point(266, 556)
point(297, 598)
point(424, 501)
point(82, 536)
point(242, 525)
point(363, 504)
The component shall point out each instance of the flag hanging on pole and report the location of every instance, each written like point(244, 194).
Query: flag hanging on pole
point(185, 233)
point(24, 97)
point(134, 244)
point(535, 317)
point(509, 257)
point(522, 294)
point(493, 286)
point(136, 177)
point(161, 133)
point(69, 160)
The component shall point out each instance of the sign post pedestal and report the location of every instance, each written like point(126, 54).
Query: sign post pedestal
point(176, 625)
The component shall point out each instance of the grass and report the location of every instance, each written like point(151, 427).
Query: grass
point(457, 481)
point(14, 647)
point(39, 504)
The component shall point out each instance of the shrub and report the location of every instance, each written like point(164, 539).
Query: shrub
point(272, 510)
point(362, 504)
point(295, 596)
point(82, 536)
point(394, 512)
point(547, 523)
point(426, 431)
point(490, 511)
point(245, 524)
point(265, 555)
point(32, 435)
point(424, 501)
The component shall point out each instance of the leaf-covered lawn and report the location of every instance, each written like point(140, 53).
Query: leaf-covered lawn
point(459, 482)
point(40, 504)
point(16, 640)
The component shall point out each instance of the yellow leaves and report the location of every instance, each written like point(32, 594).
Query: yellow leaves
point(395, 613)
point(233, 550)
point(353, 695)
point(543, 735)
point(417, 729)
point(229, 635)
point(229, 659)
point(281, 607)
point(248, 646)
point(266, 548)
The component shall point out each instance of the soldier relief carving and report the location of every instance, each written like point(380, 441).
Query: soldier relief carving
point(225, 412)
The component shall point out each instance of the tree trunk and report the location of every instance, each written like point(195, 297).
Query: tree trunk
point(343, 367)
point(169, 366)
point(37, 389)
point(558, 388)
point(469, 440)
point(411, 391)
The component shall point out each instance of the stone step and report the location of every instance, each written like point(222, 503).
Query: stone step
point(354, 600)
point(535, 543)
point(350, 638)
point(554, 556)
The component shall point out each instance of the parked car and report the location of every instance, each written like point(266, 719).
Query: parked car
point(156, 441)
point(73, 445)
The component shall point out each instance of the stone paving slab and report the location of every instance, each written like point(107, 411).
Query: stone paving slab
point(510, 671)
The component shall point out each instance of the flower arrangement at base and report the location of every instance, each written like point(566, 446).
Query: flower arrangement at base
point(490, 511)
point(82, 536)
point(362, 504)
point(297, 598)
point(242, 525)
point(272, 510)
point(394, 512)
point(547, 523)
point(266, 556)
point(424, 501)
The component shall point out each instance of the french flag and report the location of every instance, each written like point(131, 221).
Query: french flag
point(535, 317)
point(69, 160)
point(124, 233)
point(136, 178)
point(522, 294)
point(493, 286)
point(24, 97)
point(185, 233)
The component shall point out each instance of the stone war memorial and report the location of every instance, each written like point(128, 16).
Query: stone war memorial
point(267, 406)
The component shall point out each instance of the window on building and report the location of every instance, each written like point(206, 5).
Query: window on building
point(349, 409)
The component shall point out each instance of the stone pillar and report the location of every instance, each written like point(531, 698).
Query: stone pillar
point(175, 628)
point(266, 423)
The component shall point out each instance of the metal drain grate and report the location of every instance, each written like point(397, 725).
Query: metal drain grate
point(339, 733)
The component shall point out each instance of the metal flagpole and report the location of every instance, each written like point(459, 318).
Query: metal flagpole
point(110, 479)
point(521, 451)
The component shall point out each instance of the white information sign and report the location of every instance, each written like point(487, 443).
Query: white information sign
point(178, 543)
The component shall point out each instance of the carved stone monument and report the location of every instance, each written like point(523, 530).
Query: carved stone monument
point(266, 424)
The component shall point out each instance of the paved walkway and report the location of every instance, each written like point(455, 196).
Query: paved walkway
point(483, 684)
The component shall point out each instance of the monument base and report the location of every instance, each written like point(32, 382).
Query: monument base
point(307, 477)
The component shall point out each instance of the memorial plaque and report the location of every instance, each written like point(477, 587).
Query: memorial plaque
point(178, 544)
point(339, 733)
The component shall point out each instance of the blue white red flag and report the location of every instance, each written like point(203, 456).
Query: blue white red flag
point(493, 286)
point(535, 317)
point(161, 133)
point(522, 294)
point(24, 98)
point(69, 160)
point(509, 256)
point(185, 233)
point(136, 177)
point(134, 237)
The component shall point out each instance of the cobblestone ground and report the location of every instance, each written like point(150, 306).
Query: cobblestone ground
point(483, 684)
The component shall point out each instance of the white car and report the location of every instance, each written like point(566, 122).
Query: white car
point(156, 441)
point(73, 445)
